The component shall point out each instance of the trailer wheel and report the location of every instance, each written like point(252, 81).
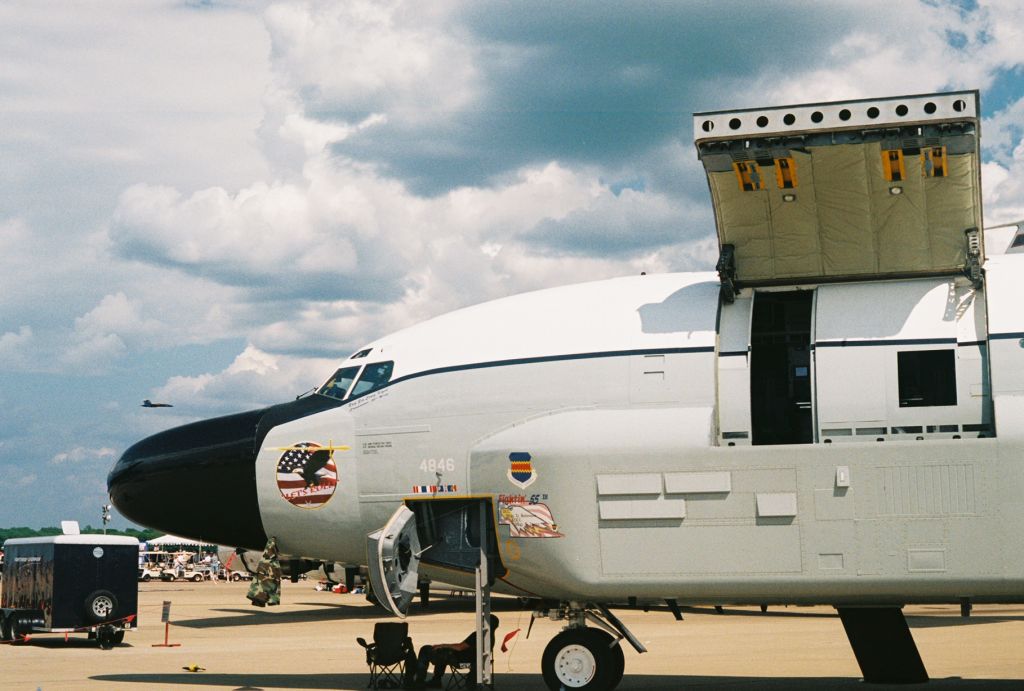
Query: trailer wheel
point(105, 635)
point(236, 577)
point(100, 605)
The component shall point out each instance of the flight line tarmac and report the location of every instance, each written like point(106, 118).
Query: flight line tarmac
point(309, 643)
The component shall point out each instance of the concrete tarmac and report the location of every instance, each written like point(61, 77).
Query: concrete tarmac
point(309, 643)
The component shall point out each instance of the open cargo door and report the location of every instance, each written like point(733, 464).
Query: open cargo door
point(881, 188)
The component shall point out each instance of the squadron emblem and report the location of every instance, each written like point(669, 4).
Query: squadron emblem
point(520, 469)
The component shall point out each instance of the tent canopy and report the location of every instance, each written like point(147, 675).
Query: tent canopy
point(175, 541)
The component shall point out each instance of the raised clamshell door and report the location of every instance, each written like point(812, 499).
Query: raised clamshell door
point(394, 556)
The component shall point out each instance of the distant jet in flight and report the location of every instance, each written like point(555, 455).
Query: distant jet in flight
point(149, 404)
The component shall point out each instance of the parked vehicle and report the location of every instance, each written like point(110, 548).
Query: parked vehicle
point(152, 564)
point(70, 584)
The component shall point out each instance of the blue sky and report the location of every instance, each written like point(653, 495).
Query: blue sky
point(210, 203)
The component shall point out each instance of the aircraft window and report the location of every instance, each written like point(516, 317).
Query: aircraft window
point(361, 353)
point(374, 377)
point(927, 378)
point(338, 385)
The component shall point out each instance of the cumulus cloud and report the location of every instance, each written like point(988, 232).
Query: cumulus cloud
point(355, 244)
point(254, 379)
point(17, 349)
point(361, 57)
point(81, 454)
point(117, 314)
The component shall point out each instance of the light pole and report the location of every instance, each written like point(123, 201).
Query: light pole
point(106, 517)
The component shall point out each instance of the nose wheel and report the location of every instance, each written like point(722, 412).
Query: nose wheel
point(583, 658)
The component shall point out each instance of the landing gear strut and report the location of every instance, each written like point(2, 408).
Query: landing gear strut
point(584, 657)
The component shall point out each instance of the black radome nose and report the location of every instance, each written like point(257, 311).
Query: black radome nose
point(197, 481)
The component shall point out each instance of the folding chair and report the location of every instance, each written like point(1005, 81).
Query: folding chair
point(461, 675)
point(387, 654)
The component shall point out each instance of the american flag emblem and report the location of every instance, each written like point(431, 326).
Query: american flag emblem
point(435, 489)
point(520, 470)
point(306, 474)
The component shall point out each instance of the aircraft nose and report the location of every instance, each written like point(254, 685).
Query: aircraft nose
point(197, 481)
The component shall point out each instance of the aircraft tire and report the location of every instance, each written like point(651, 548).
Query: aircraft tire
point(581, 659)
point(100, 605)
point(617, 657)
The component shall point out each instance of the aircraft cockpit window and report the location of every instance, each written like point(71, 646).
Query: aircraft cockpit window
point(374, 376)
point(927, 378)
point(338, 385)
point(361, 353)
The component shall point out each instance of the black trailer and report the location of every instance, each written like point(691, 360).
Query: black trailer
point(68, 584)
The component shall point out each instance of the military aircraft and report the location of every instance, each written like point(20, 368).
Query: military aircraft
point(834, 417)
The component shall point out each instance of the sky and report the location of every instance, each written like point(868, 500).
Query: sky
point(212, 202)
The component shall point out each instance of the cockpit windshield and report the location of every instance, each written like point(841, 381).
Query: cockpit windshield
point(338, 385)
point(374, 376)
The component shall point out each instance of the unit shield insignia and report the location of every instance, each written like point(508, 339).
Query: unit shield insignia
point(307, 475)
point(520, 470)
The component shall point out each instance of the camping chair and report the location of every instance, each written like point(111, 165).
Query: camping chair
point(387, 654)
point(462, 676)
point(463, 672)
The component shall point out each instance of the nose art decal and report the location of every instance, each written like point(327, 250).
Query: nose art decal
point(307, 475)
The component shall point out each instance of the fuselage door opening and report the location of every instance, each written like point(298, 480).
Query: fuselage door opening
point(781, 392)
